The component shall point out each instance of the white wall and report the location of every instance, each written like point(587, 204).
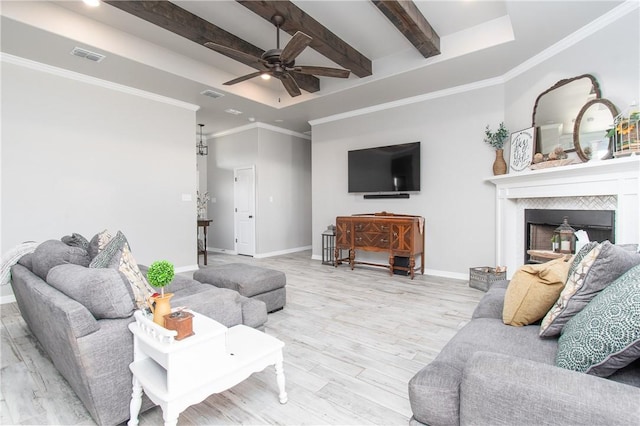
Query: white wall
point(456, 202)
point(283, 188)
point(79, 157)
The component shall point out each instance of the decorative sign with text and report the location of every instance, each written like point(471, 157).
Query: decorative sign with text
point(522, 147)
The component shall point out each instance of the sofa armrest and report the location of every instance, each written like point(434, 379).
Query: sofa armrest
point(503, 390)
point(254, 312)
point(46, 309)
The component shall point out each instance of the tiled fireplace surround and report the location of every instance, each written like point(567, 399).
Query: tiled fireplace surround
point(600, 185)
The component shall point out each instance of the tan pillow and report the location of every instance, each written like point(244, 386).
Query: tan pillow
point(533, 290)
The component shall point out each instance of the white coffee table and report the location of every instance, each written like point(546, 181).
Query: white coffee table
point(176, 374)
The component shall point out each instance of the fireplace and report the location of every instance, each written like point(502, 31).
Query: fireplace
point(612, 185)
point(540, 224)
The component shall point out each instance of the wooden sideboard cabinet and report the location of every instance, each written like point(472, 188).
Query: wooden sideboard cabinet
point(399, 235)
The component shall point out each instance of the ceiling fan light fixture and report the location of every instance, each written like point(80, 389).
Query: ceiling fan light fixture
point(265, 76)
point(92, 3)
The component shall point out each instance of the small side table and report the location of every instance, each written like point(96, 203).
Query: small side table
point(203, 223)
point(176, 374)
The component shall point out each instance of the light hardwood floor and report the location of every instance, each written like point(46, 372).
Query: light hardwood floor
point(353, 339)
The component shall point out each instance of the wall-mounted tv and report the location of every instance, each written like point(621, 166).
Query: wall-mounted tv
point(393, 168)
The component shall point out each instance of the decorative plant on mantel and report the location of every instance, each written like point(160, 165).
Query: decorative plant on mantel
point(496, 139)
point(160, 274)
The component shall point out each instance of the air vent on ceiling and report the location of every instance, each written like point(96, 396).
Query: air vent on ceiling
point(233, 111)
point(87, 54)
point(212, 94)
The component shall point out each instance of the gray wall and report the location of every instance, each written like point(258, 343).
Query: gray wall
point(283, 188)
point(457, 203)
point(78, 157)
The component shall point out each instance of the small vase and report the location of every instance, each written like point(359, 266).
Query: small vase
point(162, 307)
point(499, 165)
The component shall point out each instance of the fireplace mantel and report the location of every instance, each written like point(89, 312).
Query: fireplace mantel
point(619, 177)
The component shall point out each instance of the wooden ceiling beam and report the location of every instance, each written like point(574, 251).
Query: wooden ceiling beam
point(404, 14)
point(184, 23)
point(324, 41)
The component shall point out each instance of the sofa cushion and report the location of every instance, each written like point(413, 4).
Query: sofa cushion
point(600, 267)
point(532, 291)
point(114, 252)
point(104, 292)
point(605, 335)
point(434, 392)
point(53, 253)
point(492, 303)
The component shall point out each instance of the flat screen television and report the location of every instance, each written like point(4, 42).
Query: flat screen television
point(393, 168)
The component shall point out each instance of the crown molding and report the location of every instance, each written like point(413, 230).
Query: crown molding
point(412, 100)
point(259, 125)
point(72, 75)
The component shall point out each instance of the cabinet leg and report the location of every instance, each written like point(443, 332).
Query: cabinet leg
point(391, 258)
point(280, 379)
point(352, 258)
point(412, 265)
point(136, 402)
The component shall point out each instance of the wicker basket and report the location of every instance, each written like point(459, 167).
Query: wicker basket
point(483, 277)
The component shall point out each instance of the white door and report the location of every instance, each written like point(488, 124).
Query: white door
point(244, 192)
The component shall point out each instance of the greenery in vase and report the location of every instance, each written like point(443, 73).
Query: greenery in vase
point(496, 139)
point(160, 274)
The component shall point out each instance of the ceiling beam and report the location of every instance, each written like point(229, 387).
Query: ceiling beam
point(404, 14)
point(324, 41)
point(184, 23)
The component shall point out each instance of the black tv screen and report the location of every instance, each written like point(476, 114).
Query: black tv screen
point(393, 168)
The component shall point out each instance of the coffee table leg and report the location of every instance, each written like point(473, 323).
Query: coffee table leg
point(280, 378)
point(169, 414)
point(136, 402)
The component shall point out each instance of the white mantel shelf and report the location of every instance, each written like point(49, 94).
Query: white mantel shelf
point(619, 177)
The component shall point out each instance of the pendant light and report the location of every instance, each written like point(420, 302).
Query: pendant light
point(202, 148)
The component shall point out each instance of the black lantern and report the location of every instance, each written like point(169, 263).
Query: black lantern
point(565, 237)
point(202, 148)
point(328, 245)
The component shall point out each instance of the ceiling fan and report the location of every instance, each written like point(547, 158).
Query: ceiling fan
point(280, 63)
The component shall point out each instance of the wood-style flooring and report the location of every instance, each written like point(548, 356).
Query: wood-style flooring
point(353, 339)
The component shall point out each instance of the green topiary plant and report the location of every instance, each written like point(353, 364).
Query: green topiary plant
point(160, 274)
point(496, 139)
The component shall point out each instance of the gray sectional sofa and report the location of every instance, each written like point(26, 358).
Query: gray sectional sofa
point(496, 374)
point(80, 316)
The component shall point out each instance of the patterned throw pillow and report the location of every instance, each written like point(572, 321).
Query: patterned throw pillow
point(605, 335)
point(553, 321)
point(115, 253)
point(609, 264)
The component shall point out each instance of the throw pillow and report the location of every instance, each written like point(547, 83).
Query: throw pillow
point(605, 335)
point(53, 253)
point(599, 269)
point(115, 253)
point(98, 242)
point(104, 292)
point(532, 291)
point(76, 240)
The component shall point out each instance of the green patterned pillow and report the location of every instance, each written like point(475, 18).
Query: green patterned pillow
point(605, 335)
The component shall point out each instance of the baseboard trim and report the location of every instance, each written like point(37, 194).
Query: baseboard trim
point(281, 252)
point(7, 299)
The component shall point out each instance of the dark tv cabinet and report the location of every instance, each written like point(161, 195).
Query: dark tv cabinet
point(397, 234)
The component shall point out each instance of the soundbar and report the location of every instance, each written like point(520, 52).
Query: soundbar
point(374, 196)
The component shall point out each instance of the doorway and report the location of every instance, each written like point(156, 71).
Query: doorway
point(244, 194)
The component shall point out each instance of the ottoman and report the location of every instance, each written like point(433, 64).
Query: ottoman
point(251, 281)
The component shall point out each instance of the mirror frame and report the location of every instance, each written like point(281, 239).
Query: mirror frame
point(559, 84)
point(576, 127)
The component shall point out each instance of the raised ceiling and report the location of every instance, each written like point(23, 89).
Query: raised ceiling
point(478, 40)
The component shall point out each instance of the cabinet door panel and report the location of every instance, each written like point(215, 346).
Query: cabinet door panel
point(343, 233)
point(401, 237)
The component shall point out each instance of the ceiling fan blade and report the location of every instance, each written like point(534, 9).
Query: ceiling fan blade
point(322, 71)
point(235, 54)
point(290, 84)
point(295, 47)
point(243, 78)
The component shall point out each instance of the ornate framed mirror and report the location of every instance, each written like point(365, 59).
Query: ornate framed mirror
point(590, 131)
point(556, 109)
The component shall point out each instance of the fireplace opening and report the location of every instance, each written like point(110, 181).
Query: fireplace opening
point(540, 225)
